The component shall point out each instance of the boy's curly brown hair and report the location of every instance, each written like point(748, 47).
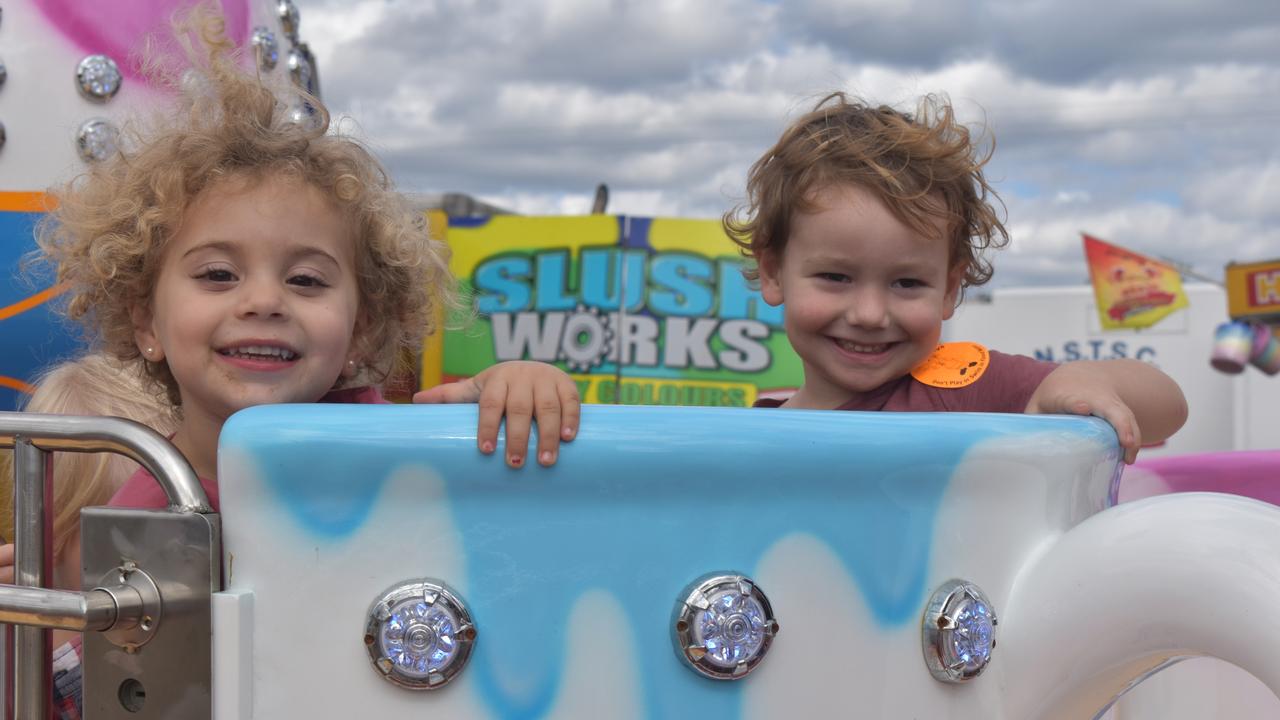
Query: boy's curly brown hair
point(109, 227)
point(909, 163)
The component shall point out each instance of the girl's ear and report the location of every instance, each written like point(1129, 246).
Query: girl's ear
point(769, 264)
point(356, 353)
point(144, 334)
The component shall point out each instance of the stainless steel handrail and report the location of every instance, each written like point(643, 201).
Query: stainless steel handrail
point(59, 609)
point(98, 434)
point(30, 605)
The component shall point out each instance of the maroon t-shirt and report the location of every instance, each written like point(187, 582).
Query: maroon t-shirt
point(1005, 387)
point(142, 490)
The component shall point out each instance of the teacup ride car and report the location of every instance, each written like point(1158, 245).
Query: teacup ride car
point(1203, 687)
point(673, 563)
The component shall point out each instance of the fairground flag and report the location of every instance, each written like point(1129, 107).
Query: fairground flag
point(1131, 290)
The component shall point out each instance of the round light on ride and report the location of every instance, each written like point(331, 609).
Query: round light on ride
point(98, 78)
point(266, 47)
point(289, 19)
point(96, 140)
point(959, 632)
point(419, 635)
point(724, 626)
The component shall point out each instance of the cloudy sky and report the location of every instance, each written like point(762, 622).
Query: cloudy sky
point(1150, 123)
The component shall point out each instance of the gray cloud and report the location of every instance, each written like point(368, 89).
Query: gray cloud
point(1149, 124)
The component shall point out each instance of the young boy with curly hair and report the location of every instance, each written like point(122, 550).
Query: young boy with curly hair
point(867, 224)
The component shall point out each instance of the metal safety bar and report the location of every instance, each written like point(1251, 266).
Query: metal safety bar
point(30, 605)
point(116, 435)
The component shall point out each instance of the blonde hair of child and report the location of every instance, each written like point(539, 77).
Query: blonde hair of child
point(923, 167)
point(90, 385)
point(108, 231)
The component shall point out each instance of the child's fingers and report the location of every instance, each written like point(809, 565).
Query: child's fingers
point(570, 409)
point(1126, 427)
point(492, 403)
point(6, 564)
point(463, 391)
point(546, 403)
point(519, 409)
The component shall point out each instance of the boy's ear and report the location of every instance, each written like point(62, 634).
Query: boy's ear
point(954, 279)
point(770, 286)
point(144, 334)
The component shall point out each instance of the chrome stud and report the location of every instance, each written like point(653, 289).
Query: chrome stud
point(96, 140)
point(419, 635)
point(723, 626)
point(959, 632)
point(289, 19)
point(98, 78)
point(266, 48)
point(299, 68)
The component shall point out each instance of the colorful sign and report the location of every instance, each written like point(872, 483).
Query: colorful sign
point(1253, 291)
point(641, 311)
point(1132, 290)
point(32, 335)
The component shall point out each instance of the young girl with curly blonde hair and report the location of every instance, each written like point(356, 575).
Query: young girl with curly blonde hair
point(246, 255)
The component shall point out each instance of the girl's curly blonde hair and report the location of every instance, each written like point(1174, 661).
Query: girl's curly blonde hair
point(109, 227)
point(908, 163)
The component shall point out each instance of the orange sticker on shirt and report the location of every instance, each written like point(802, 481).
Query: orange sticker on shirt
point(953, 365)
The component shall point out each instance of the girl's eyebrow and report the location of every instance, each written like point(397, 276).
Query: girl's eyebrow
point(296, 252)
point(223, 245)
point(307, 251)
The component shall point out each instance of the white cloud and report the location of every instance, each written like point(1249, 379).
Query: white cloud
point(1153, 128)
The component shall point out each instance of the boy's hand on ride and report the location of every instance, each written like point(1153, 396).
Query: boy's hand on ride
point(1069, 392)
point(523, 391)
point(6, 564)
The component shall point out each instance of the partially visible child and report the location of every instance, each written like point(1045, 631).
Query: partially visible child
point(868, 224)
point(89, 385)
point(246, 255)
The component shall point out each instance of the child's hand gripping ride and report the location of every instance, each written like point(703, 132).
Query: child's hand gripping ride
point(521, 390)
point(1129, 394)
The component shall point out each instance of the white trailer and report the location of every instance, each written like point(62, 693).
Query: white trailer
point(1227, 412)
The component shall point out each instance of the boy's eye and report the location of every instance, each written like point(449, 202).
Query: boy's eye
point(308, 281)
point(833, 277)
point(910, 283)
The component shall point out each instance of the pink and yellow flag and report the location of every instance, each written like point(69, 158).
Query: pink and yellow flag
point(1132, 290)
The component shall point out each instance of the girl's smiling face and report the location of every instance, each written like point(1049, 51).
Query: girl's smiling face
point(256, 300)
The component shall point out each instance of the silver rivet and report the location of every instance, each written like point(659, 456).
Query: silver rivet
point(266, 48)
point(723, 626)
point(959, 632)
point(289, 19)
point(419, 634)
point(299, 68)
point(98, 78)
point(96, 141)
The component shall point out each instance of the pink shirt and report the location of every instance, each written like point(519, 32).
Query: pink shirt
point(1005, 387)
point(142, 490)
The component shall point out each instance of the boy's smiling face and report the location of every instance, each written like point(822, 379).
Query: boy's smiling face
point(865, 294)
